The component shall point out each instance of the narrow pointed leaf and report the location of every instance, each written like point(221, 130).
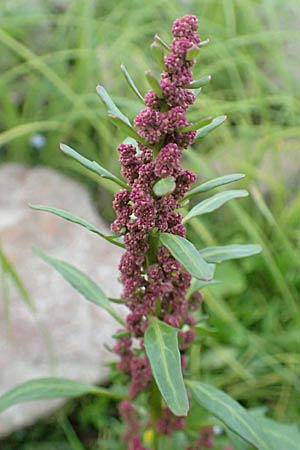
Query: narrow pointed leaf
point(196, 125)
point(75, 219)
point(192, 53)
point(92, 165)
point(162, 42)
point(212, 203)
point(212, 126)
point(280, 435)
point(127, 129)
point(199, 83)
point(110, 105)
point(131, 83)
point(158, 55)
point(203, 43)
point(223, 253)
point(185, 253)
point(164, 186)
point(82, 283)
point(216, 182)
point(131, 141)
point(197, 285)
point(161, 344)
point(154, 83)
point(50, 388)
point(231, 413)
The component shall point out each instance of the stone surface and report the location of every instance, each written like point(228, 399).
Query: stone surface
point(65, 336)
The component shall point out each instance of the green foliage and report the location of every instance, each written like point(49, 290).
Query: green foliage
point(82, 283)
point(161, 344)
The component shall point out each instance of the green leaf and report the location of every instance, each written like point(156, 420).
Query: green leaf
point(131, 83)
point(185, 252)
point(92, 165)
point(196, 125)
point(154, 83)
point(203, 43)
point(110, 105)
point(208, 128)
point(75, 219)
point(50, 388)
point(197, 285)
point(280, 435)
point(161, 346)
point(158, 55)
point(128, 130)
point(164, 186)
point(160, 41)
point(231, 413)
point(223, 253)
point(82, 283)
point(133, 142)
point(212, 184)
point(199, 83)
point(212, 203)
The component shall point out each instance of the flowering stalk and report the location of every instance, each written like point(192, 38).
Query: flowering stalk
point(154, 282)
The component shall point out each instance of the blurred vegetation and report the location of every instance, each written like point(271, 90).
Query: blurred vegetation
point(52, 55)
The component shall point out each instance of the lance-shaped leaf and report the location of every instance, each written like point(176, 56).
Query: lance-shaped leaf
point(154, 83)
point(158, 55)
point(92, 165)
point(212, 126)
point(212, 184)
point(160, 41)
point(223, 253)
point(196, 125)
point(50, 388)
point(75, 219)
point(212, 203)
point(110, 105)
point(203, 43)
point(199, 83)
point(128, 130)
point(231, 413)
point(82, 283)
point(131, 83)
point(185, 253)
point(161, 344)
point(164, 186)
point(280, 435)
point(197, 285)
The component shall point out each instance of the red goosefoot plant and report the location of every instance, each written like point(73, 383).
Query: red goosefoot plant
point(162, 272)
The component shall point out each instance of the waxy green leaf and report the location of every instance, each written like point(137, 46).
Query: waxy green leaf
point(154, 83)
point(131, 83)
point(164, 186)
point(212, 203)
point(231, 413)
point(161, 344)
point(196, 125)
point(163, 43)
point(127, 129)
point(75, 219)
point(92, 165)
point(158, 55)
point(50, 388)
point(110, 105)
point(223, 253)
point(82, 283)
point(280, 435)
point(185, 253)
point(197, 285)
point(215, 123)
point(203, 43)
point(199, 83)
point(212, 184)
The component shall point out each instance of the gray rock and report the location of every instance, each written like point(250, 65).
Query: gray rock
point(65, 336)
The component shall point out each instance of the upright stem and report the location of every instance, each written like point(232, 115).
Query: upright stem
point(154, 402)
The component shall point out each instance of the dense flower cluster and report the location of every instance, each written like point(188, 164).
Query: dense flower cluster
point(154, 282)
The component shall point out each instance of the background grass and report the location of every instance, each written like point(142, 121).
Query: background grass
point(52, 55)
